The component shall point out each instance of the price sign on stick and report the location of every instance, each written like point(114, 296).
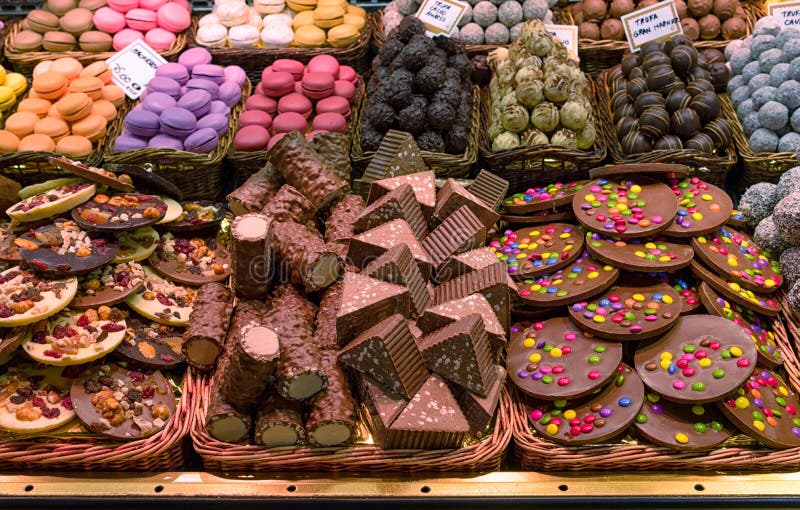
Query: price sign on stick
point(787, 12)
point(440, 16)
point(134, 66)
point(656, 22)
point(568, 34)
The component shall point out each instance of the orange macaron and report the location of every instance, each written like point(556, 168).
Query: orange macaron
point(21, 123)
point(90, 85)
point(37, 143)
point(53, 127)
point(92, 127)
point(74, 106)
point(9, 142)
point(74, 146)
point(35, 105)
point(50, 85)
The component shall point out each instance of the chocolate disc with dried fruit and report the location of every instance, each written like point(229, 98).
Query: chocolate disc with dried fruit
point(554, 360)
point(538, 250)
point(151, 345)
point(52, 202)
point(97, 175)
point(42, 187)
point(27, 297)
point(174, 210)
point(34, 398)
point(629, 313)
point(734, 255)
point(702, 359)
point(604, 416)
point(119, 212)
point(10, 341)
point(681, 427)
point(146, 180)
point(136, 245)
point(582, 279)
point(191, 261)
point(759, 328)
point(702, 208)
point(197, 215)
point(63, 249)
point(74, 338)
point(730, 289)
point(162, 301)
point(631, 206)
point(542, 198)
point(646, 255)
point(9, 252)
point(103, 395)
point(109, 285)
point(561, 215)
point(656, 170)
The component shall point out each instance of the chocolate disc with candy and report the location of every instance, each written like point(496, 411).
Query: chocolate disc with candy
point(682, 427)
point(685, 285)
point(765, 408)
point(541, 199)
point(136, 245)
point(658, 170)
point(582, 279)
point(736, 256)
point(759, 328)
point(629, 313)
point(652, 254)
point(151, 345)
point(554, 360)
point(109, 285)
point(197, 215)
point(562, 214)
point(730, 289)
point(534, 251)
point(63, 249)
point(605, 416)
point(191, 261)
point(702, 208)
point(119, 212)
point(737, 219)
point(631, 206)
point(702, 359)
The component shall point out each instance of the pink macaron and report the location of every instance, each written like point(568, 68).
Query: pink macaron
point(255, 118)
point(334, 122)
point(324, 64)
point(141, 19)
point(160, 39)
point(263, 103)
point(344, 88)
point(286, 65)
point(123, 6)
point(348, 73)
point(295, 102)
point(277, 84)
point(153, 5)
point(251, 138)
point(318, 85)
point(108, 20)
point(333, 104)
point(290, 121)
point(275, 139)
point(174, 17)
point(125, 37)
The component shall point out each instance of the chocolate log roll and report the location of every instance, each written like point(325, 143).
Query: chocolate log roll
point(325, 322)
point(280, 422)
point(305, 256)
point(223, 422)
point(334, 148)
point(251, 258)
point(256, 191)
point(339, 225)
point(288, 204)
point(204, 337)
point(252, 353)
point(331, 419)
point(304, 169)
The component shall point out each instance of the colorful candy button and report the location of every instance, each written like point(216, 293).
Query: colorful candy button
point(534, 251)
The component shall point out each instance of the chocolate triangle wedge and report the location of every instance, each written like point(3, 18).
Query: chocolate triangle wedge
point(491, 281)
point(397, 155)
point(489, 188)
point(478, 410)
point(439, 316)
point(366, 302)
point(367, 246)
point(467, 262)
point(397, 266)
point(461, 231)
point(398, 204)
point(453, 196)
point(424, 184)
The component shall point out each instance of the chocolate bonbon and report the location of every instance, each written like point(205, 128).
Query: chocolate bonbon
point(583, 278)
point(423, 183)
point(453, 196)
point(400, 203)
point(479, 411)
point(365, 302)
point(369, 245)
point(491, 281)
point(537, 250)
point(649, 254)
point(204, 338)
point(439, 316)
point(397, 266)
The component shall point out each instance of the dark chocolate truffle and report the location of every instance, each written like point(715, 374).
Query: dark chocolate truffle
point(685, 122)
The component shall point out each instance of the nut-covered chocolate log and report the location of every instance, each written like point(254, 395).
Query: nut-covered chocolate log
point(305, 255)
point(334, 148)
point(251, 258)
point(224, 422)
point(252, 351)
point(256, 191)
point(204, 338)
point(304, 169)
point(288, 204)
point(339, 225)
point(325, 322)
point(331, 419)
point(280, 422)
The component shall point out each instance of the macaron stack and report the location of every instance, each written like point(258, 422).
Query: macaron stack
point(100, 25)
point(294, 97)
point(301, 23)
point(12, 86)
point(186, 106)
point(66, 112)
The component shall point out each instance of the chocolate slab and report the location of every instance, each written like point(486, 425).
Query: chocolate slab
point(629, 313)
point(208, 263)
point(453, 196)
point(479, 411)
point(631, 206)
point(424, 184)
point(673, 365)
point(119, 212)
point(702, 207)
point(197, 215)
point(646, 255)
point(365, 302)
point(544, 198)
point(398, 204)
point(489, 189)
point(44, 250)
point(10, 341)
point(397, 266)
point(759, 328)
point(764, 305)
point(367, 246)
point(657, 170)
point(116, 284)
point(582, 279)
point(554, 359)
point(146, 180)
point(94, 396)
point(136, 245)
point(491, 281)
point(602, 417)
point(97, 175)
point(735, 256)
point(561, 214)
point(765, 408)
point(461, 231)
point(150, 345)
point(534, 251)
point(681, 427)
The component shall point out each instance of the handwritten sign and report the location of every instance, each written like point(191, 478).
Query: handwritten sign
point(656, 22)
point(133, 67)
point(787, 12)
point(441, 16)
point(568, 34)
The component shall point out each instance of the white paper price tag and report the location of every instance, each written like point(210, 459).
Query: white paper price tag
point(567, 33)
point(134, 66)
point(440, 16)
point(787, 12)
point(658, 21)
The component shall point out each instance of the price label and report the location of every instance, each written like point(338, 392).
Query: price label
point(568, 34)
point(440, 16)
point(656, 22)
point(134, 66)
point(787, 12)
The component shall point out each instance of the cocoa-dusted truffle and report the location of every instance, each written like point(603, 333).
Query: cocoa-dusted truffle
point(456, 140)
point(710, 26)
point(429, 79)
point(441, 116)
point(767, 237)
point(594, 10)
point(408, 28)
point(390, 50)
point(431, 141)
point(398, 88)
point(790, 265)
point(788, 183)
point(619, 8)
point(370, 138)
point(461, 63)
point(380, 115)
point(612, 30)
point(412, 119)
point(589, 30)
point(691, 28)
point(757, 202)
point(414, 56)
point(786, 216)
point(793, 299)
point(699, 8)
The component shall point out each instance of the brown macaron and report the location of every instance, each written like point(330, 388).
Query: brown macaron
point(92, 87)
point(98, 70)
point(74, 106)
point(92, 127)
point(95, 41)
point(53, 127)
point(28, 40)
point(104, 109)
point(58, 42)
point(36, 105)
point(60, 7)
point(50, 85)
point(9, 142)
point(77, 21)
point(74, 146)
point(37, 143)
point(42, 21)
point(92, 5)
point(21, 123)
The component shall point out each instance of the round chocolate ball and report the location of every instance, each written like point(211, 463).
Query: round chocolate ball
point(636, 72)
point(700, 142)
point(655, 59)
point(720, 75)
point(685, 123)
point(707, 106)
point(713, 55)
point(630, 61)
point(700, 73)
point(678, 99)
point(683, 59)
point(626, 110)
point(636, 143)
point(661, 78)
point(651, 47)
point(635, 87)
point(647, 100)
point(619, 98)
point(654, 122)
point(698, 87)
point(720, 132)
point(680, 40)
point(668, 142)
point(625, 125)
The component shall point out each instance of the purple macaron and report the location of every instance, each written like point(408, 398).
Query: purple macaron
point(174, 70)
point(220, 107)
point(166, 85)
point(207, 85)
point(194, 57)
point(142, 123)
point(215, 121)
point(235, 74)
point(157, 102)
point(128, 142)
point(211, 72)
point(178, 122)
point(196, 101)
point(230, 93)
point(165, 142)
point(202, 141)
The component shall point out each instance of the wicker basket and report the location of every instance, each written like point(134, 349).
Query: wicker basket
point(597, 56)
point(24, 61)
point(200, 176)
point(443, 165)
point(712, 169)
point(529, 166)
point(163, 451)
point(254, 60)
point(487, 455)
